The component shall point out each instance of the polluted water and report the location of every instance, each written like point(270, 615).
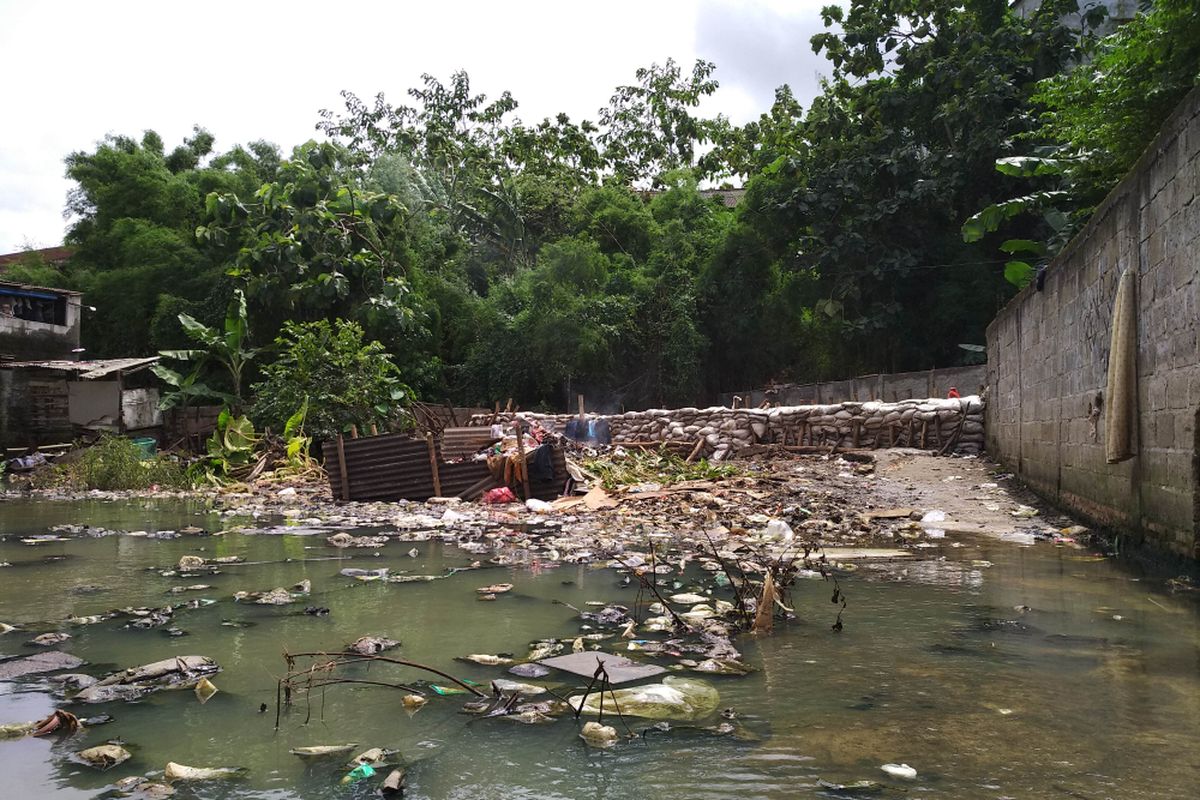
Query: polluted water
point(977, 668)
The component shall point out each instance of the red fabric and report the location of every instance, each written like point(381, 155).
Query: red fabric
point(501, 494)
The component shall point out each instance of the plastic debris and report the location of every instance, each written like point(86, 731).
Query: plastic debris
point(177, 672)
point(499, 495)
point(361, 772)
point(393, 784)
point(49, 639)
point(900, 771)
point(105, 756)
point(413, 702)
point(511, 687)
point(323, 750)
point(182, 772)
point(205, 689)
point(598, 735)
point(190, 563)
point(675, 698)
point(934, 515)
point(529, 670)
point(371, 645)
point(58, 722)
point(779, 531)
point(487, 659)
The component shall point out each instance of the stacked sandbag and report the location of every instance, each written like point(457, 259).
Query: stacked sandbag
point(945, 425)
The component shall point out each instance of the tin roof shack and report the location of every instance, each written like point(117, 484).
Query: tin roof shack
point(48, 402)
point(36, 322)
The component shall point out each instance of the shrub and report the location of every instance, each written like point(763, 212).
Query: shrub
point(114, 463)
point(344, 381)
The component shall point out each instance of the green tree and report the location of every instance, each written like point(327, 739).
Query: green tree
point(329, 369)
point(134, 211)
point(649, 127)
point(315, 244)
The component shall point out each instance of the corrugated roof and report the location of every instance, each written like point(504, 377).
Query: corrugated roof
point(67, 292)
point(88, 370)
point(52, 255)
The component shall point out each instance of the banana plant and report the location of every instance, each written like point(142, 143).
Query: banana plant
point(228, 348)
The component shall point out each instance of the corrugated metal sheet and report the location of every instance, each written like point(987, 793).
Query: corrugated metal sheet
point(458, 443)
point(396, 467)
point(88, 370)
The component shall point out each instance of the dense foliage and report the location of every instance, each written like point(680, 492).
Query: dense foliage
point(329, 371)
point(114, 463)
point(476, 256)
point(1094, 120)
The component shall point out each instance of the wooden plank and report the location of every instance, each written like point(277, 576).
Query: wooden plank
point(341, 450)
point(433, 465)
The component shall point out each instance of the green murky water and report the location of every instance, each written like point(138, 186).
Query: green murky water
point(1092, 693)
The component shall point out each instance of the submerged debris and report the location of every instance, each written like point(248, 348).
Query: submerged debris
point(180, 672)
point(205, 689)
point(675, 698)
point(105, 756)
point(278, 596)
point(58, 722)
point(393, 784)
point(323, 750)
point(598, 735)
point(182, 772)
point(49, 639)
point(51, 661)
point(900, 771)
point(370, 645)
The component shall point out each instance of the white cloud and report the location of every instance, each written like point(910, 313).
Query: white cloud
point(76, 71)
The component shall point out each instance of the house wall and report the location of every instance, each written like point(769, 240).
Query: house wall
point(94, 404)
point(139, 409)
point(1048, 354)
point(33, 408)
point(23, 340)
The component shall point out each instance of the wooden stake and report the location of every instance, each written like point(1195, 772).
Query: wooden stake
point(508, 405)
point(433, 465)
point(581, 414)
point(374, 429)
point(341, 450)
point(695, 451)
point(521, 455)
point(353, 431)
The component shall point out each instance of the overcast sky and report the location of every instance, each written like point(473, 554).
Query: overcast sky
point(75, 71)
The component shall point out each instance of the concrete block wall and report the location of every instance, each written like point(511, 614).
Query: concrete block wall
point(1048, 354)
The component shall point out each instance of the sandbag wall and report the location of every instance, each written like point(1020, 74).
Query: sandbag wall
point(948, 426)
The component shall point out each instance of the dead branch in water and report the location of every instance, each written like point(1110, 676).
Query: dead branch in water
point(321, 673)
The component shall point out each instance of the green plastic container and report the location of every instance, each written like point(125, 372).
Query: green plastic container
point(147, 446)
